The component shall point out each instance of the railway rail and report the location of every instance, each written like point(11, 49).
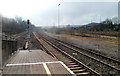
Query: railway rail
point(105, 65)
point(75, 65)
point(109, 61)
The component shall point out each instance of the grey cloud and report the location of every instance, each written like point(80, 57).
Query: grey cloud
point(77, 13)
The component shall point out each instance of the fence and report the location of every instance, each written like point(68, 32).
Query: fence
point(8, 48)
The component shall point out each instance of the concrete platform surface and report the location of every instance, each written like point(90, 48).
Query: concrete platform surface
point(35, 62)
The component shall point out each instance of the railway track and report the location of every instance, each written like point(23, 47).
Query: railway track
point(75, 65)
point(106, 65)
point(113, 62)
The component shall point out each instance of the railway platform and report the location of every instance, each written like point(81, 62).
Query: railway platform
point(34, 62)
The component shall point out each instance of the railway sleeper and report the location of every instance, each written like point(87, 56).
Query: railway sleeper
point(68, 61)
point(72, 65)
point(84, 73)
point(75, 68)
point(79, 70)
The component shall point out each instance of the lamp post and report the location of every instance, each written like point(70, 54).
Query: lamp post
point(58, 15)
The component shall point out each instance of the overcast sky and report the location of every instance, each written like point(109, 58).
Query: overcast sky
point(45, 12)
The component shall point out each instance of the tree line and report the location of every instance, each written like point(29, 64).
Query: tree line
point(15, 25)
point(106, 25)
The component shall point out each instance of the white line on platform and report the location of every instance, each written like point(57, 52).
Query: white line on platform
point(32, 63)
point(47, 69)
point(45, 66)
point(68, 69)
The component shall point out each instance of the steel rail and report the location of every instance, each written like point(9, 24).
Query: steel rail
point(71, 57)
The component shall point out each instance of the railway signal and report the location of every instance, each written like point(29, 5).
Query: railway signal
point(28, 36)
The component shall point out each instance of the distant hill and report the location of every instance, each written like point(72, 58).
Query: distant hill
point(103, 26)
point(90, 25)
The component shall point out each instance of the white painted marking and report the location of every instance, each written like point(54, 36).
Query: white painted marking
point(26, 46)
point(32, 63)
point(47, 69)
point(31, 50)
point(68, 69)
point(23, 51)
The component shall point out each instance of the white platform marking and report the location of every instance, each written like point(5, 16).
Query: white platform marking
point(68, 69)
point(26, 45)
point(32, 63)
point(47, 69)
point(45, 66)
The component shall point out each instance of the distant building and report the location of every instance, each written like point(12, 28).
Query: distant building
point(115, 20)
point(119, 12)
